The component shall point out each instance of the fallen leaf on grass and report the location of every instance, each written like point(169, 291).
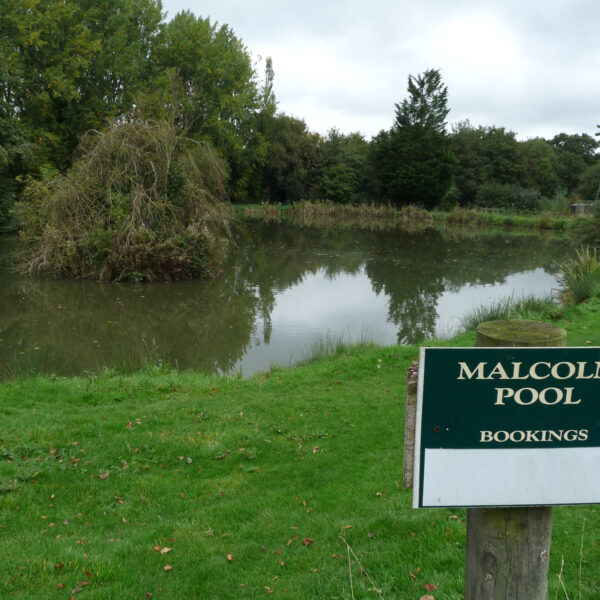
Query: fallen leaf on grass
point(430, 587)
point(293, 539)
point(167, 568)
point(223, 455)
point(230, 557)
point(269, 590)
point(307, 541)
point(426, 598)
point(104, 475)
point(165, 550)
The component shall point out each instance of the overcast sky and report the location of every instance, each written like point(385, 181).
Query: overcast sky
point(532, 66)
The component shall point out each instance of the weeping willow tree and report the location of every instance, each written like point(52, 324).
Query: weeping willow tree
point(142, 202)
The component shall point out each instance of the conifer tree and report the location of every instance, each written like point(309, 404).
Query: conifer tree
point(414, 161)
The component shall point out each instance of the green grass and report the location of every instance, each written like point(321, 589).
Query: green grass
point(244, 488)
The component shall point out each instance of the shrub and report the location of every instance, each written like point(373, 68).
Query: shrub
point(504, 195)
point(142, 202)
point(557, 204)
point(465, 216)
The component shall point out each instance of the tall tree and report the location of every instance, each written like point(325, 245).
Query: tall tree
point(343, 167)
point(575, 153)
point(261, 141)
point(222, 91)
point(419, 164)
point(14, 156)
point(68, 66)
point(486, 156)
point(539, 167)
point(290, 171)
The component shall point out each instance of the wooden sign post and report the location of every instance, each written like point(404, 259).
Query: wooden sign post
point(507, 429)
point(508, 549)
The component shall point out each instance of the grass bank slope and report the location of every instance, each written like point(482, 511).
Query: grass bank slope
point(181, 486)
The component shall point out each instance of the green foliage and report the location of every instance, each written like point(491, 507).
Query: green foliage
point(574, 154)
point(589, 183)
point(539, 167)
point(141, 202)
point(343, 166)
point(14, 155)
point(498, 195)
point(222, 99)
point(426, 108)
point(492, 156)
point(290, 171)
point(68, 66)
point(579, 276)
point(7, 198)
point(413, 162)
point(486, 155)
point(558, 203)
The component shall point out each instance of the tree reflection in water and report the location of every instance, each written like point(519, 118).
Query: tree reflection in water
point(69, 327)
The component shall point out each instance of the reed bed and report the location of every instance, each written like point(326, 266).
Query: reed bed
point(324, 214)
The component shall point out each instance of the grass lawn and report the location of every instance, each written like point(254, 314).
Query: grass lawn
point(180, 486)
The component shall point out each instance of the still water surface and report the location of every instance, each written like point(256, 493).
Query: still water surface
point(284, 288)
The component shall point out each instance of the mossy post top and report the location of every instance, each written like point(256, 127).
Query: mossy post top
point(519, 332)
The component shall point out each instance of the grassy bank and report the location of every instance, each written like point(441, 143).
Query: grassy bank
point(177, 485)
point(384, 217)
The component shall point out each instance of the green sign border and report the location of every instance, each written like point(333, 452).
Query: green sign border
point(457, 404)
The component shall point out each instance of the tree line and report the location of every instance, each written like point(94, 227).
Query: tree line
point(68, 69)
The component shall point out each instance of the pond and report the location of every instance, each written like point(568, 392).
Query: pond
point(284, 289)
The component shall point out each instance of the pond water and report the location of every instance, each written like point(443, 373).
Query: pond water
point(284, 289)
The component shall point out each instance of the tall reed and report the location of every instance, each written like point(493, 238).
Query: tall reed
point(528, 307)
point(579, 276)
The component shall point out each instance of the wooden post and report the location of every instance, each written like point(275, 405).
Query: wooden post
point(410, 424)
point(508, 548)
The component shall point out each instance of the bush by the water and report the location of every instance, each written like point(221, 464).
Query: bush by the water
point(142, 202)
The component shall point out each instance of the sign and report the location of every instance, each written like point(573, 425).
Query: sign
point(507, 427)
